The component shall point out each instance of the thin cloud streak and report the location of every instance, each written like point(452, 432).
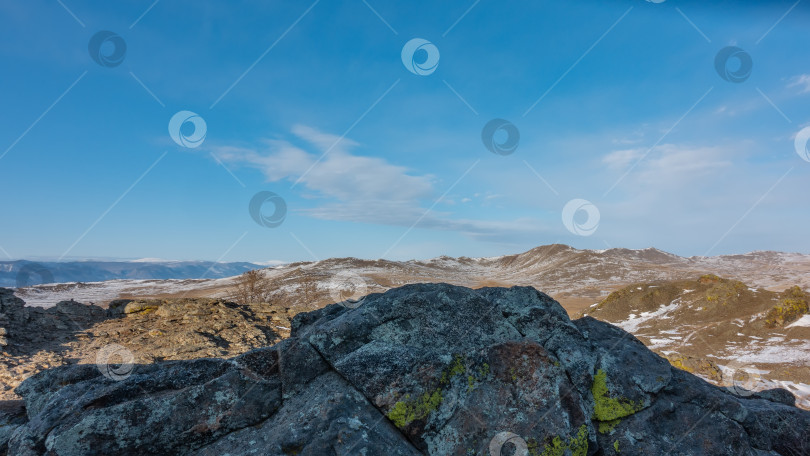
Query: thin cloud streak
point(354, 188)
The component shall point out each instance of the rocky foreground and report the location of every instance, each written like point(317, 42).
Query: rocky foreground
point(422, 369)
point(144, 331)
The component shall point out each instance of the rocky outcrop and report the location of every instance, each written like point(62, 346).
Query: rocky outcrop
point(32, 338)
point(698, 366)
point(146, 330)
point(12, 416)
point(22, 326)
point(11, 315)
point(422, 369)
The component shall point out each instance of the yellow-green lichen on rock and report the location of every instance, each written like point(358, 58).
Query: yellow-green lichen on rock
point(483, 371)
point(708, 279)
point(792, 306)
point(407, 411)
point(553, 448)
point(140, 307)
point(470, 383)
point(607, 408)
point(577, 445)
point(456, 368)
point(700, 366)
point(605, 427)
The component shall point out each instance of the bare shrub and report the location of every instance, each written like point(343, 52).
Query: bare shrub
point(309, 289)
point(253, 286)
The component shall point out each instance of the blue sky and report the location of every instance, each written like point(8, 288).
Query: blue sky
point(619, 107)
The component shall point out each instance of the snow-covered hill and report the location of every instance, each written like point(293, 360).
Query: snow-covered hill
point(576, 278)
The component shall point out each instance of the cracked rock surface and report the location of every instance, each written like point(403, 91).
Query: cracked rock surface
point(421, 369)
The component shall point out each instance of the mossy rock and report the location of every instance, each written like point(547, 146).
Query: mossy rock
point(608, 408)
point(559, 446)
point(792, 306)
point(701, 366)
point(706, 279)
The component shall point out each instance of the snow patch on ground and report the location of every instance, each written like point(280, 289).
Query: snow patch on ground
point(775, 354)
point(634, 322)
point(104, 292)
point(660, 343)
point(804, 321)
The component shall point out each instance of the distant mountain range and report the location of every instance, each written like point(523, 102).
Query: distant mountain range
point(24, 273)
point(576, 278)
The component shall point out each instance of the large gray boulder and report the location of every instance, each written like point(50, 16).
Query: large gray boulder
point(422, 369)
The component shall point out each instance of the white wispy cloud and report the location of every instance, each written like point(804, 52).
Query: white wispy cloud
point(802, 82)
point(355, 188)
point(669, 162)
point(339, 175)
point(620, 159)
